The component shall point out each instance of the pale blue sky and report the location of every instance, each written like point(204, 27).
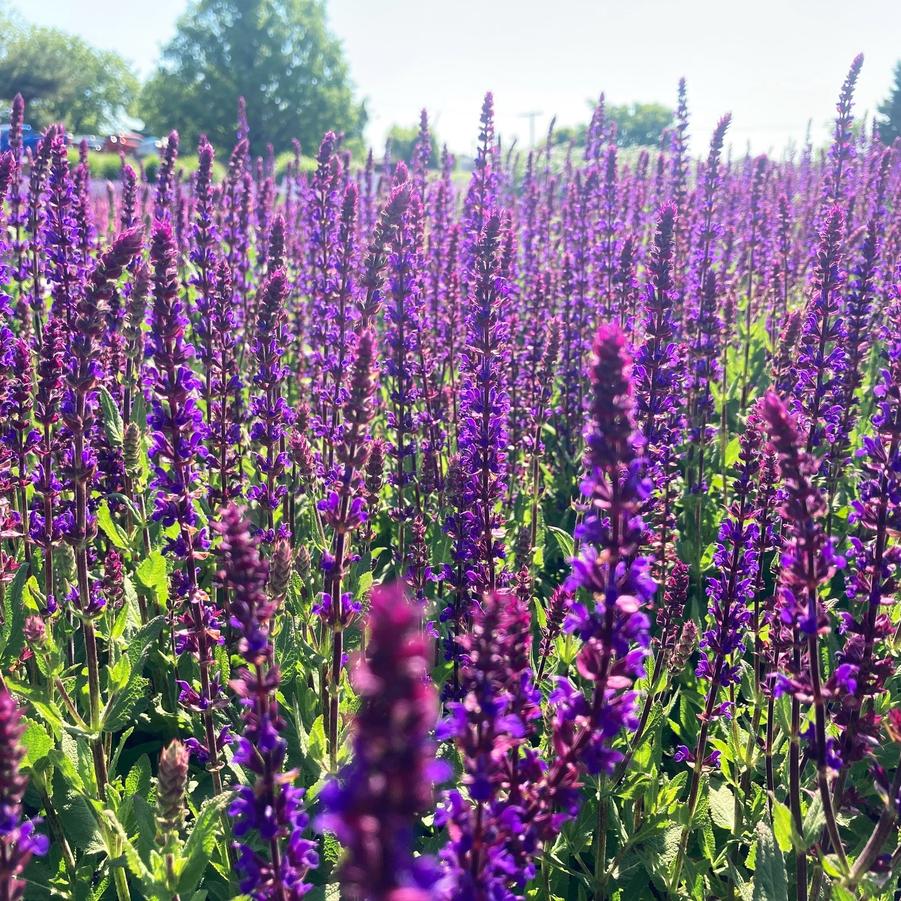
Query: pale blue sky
point(773, 63)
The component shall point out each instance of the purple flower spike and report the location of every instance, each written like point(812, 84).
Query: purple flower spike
point(269, 813)
point(375, 802)
point(18, 840)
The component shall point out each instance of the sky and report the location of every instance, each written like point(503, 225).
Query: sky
point(774, 64)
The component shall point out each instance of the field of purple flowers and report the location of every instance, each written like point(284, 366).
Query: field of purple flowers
point(363, 535)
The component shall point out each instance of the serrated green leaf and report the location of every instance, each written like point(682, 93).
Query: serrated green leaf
point(769, 874)
point(200, 843)
point(783, 827)
point(139, 643)
point(126, 704)
point(11, 630)
point(40, 704)
point(364, 583)
point(118, 674)
point(78, 821)
point(317, 742)
point(36, 742)
point(111, 528)
point(814, 820)
point(137, 782)
point(151, 574)
point(111, 417)
point(722, 807)
point(707, 840)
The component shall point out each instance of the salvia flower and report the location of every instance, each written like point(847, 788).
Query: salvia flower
point(492, 845)
point(273, 858)
point(612, 627)
point(807, 562)
point(18, 839)
point(375, 802)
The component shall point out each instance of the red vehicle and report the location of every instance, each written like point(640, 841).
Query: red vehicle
point(124, 142)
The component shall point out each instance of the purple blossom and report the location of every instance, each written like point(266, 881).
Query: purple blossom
point(375, 802)
point(18, 839)
point(269, 810)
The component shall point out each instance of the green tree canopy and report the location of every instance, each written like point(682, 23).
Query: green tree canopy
point(277, 54)
point(889, 120)
point(640, 124)
point(62, 78)
point(403, 138)
point(637, 125)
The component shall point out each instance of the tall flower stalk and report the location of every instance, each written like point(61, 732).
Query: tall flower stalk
point(376, 800)
point(808, 561)
point(273, 858)
point(78, 410)
point(177, 433)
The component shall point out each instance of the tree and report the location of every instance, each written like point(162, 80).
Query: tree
point(277, 54)
point(640, 124)
point(62, 78)
point(889, 121)
point(403, 138)
point(637, 125)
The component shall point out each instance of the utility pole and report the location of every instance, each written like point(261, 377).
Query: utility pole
point(532, 116)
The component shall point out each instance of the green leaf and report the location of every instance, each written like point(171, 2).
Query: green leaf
point(364, 583)
point(722, 807)
point(126, 704)
point(11, 631)
point(151, 573)
point(118, 674)
point(769, 874)
point(111, 528)
point(783, 827)
point(200, 843)
point(39, 703)
point(78, 821)
point(564, 542)
point(317, 743)
point(814, 820)
point(732, 450)
point(112, 419)
point(131, 698)
point(137, 782)
point(37, 743)
point(139, 643)
point(132, 858)
point(707, 840)
point(671, 839)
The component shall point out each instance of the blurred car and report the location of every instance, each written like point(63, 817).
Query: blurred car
point(30, 137)
point(124, 142)
point(148, 147)
point(94, 142)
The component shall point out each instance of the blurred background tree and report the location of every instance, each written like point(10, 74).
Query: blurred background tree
point(63, 78)
point(277, 54)
point(889, 120)
point(637, 125)
point(640, 124)
point(402, 139)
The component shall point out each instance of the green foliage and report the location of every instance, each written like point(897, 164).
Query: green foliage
point(277, 54)
point(640, 124)
point(402, 140)
point(637, 125)
point(889, 120)
point(63, 78)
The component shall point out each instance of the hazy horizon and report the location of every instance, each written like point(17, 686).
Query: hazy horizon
point(774, 68)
